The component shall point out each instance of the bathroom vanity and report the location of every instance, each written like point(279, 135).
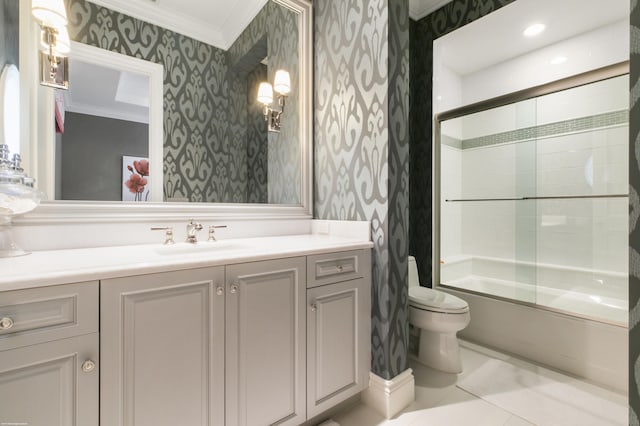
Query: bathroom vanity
point(240, 332)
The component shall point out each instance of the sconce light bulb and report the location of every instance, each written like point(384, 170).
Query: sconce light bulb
point(265, 94)
point(282, 82)
point(49, 13)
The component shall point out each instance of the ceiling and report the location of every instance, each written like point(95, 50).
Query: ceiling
point(216, 22)
point(420, 8)
point(464, 51)
point(106, 92)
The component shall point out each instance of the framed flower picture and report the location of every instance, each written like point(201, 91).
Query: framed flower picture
point(135, 178)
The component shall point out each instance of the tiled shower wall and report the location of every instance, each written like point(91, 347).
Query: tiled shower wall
point(534, 148)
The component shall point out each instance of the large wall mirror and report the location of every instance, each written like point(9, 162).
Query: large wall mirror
point(177, 96)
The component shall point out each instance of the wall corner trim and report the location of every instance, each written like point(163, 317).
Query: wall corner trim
point(389, 397)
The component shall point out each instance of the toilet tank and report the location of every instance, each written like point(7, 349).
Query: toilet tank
point(414, 280)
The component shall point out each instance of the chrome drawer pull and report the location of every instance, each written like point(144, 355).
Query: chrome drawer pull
point(6, 323)
point(219, 291)
point(314, 307)
point(233, 289)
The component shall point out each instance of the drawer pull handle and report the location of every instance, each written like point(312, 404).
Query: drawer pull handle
point(6, 323)
point(233, 289)
point(219, 291)
point(314, 307)
point(340, 268)
point(88, 366)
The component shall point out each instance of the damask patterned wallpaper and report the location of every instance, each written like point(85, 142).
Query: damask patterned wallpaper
point(205, 112)
point(280, 26)
point(634, 215)
point(361, 149)
point(444, 20)
point(257, 140)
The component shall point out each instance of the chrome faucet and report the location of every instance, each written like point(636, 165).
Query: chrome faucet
point(192, 228)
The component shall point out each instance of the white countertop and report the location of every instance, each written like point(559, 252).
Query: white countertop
point(45, 268)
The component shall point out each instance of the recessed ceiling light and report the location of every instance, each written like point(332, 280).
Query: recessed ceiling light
point(558, 60)
point(534, 30)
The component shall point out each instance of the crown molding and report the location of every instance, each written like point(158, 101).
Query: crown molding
point(418, 10)
point(112, 113)
point(174, 21)
point(238, 21)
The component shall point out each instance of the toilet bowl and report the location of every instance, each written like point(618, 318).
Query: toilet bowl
point(439, 316)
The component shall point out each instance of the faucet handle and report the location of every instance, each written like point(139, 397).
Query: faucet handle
point(212, 232)
point(168, 236)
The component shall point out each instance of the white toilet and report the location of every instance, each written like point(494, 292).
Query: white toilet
point(439, 316)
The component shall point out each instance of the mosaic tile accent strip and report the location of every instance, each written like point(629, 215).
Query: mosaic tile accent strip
point(548, 130)
point(452, 142)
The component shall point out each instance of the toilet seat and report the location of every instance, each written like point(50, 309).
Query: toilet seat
point(436, 301)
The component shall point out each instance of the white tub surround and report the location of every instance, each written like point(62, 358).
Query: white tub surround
point(389, 397)
point(589, 349)
point(599, 295)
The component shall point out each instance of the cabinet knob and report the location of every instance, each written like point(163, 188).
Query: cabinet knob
point(6, 323)
point(314, 307)
point(219, 291)
point(233, 289)
point(88, 366)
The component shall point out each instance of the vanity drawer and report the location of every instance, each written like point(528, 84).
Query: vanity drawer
point(334, 267)
point(44, 314)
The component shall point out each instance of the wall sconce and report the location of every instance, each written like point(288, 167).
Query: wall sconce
point(282, 86)
point(55, 44)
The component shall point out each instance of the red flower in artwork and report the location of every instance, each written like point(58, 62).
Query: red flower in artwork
point(136, 183)
point(142, 167)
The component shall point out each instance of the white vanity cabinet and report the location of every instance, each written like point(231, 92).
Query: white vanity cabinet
point(266, 343)
point(49, 356)
point(257, 343)
point(338, 328)
point(162, 347)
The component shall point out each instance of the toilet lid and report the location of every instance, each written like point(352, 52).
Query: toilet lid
point(435, 300)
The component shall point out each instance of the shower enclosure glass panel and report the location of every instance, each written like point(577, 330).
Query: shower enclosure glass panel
point(533, 199)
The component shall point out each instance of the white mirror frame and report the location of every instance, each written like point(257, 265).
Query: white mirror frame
point(40, 104)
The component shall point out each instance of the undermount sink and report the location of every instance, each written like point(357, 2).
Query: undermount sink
point(199, 247)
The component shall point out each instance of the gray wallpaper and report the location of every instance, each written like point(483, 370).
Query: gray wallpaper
point(634, 215)
point(205, 113)
point(280, 25)
point(257, 140)
point(444, 20)
point(361, 149)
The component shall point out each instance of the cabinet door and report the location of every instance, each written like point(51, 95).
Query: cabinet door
point(162, 338)
point(266, 343)
point(45, 385)
point(338, 343)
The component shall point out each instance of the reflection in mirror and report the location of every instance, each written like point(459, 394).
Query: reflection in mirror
point(103, 119)
point(9, 75)
point(214, 149)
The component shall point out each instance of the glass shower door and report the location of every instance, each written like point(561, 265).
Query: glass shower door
point(487, 163)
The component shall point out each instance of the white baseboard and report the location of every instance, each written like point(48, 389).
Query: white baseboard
point(389, 397)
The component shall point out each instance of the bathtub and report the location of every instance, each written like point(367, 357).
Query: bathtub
point(592, 294)
point(571, 319)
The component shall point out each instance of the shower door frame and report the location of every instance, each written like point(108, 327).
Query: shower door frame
point(593, 76)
